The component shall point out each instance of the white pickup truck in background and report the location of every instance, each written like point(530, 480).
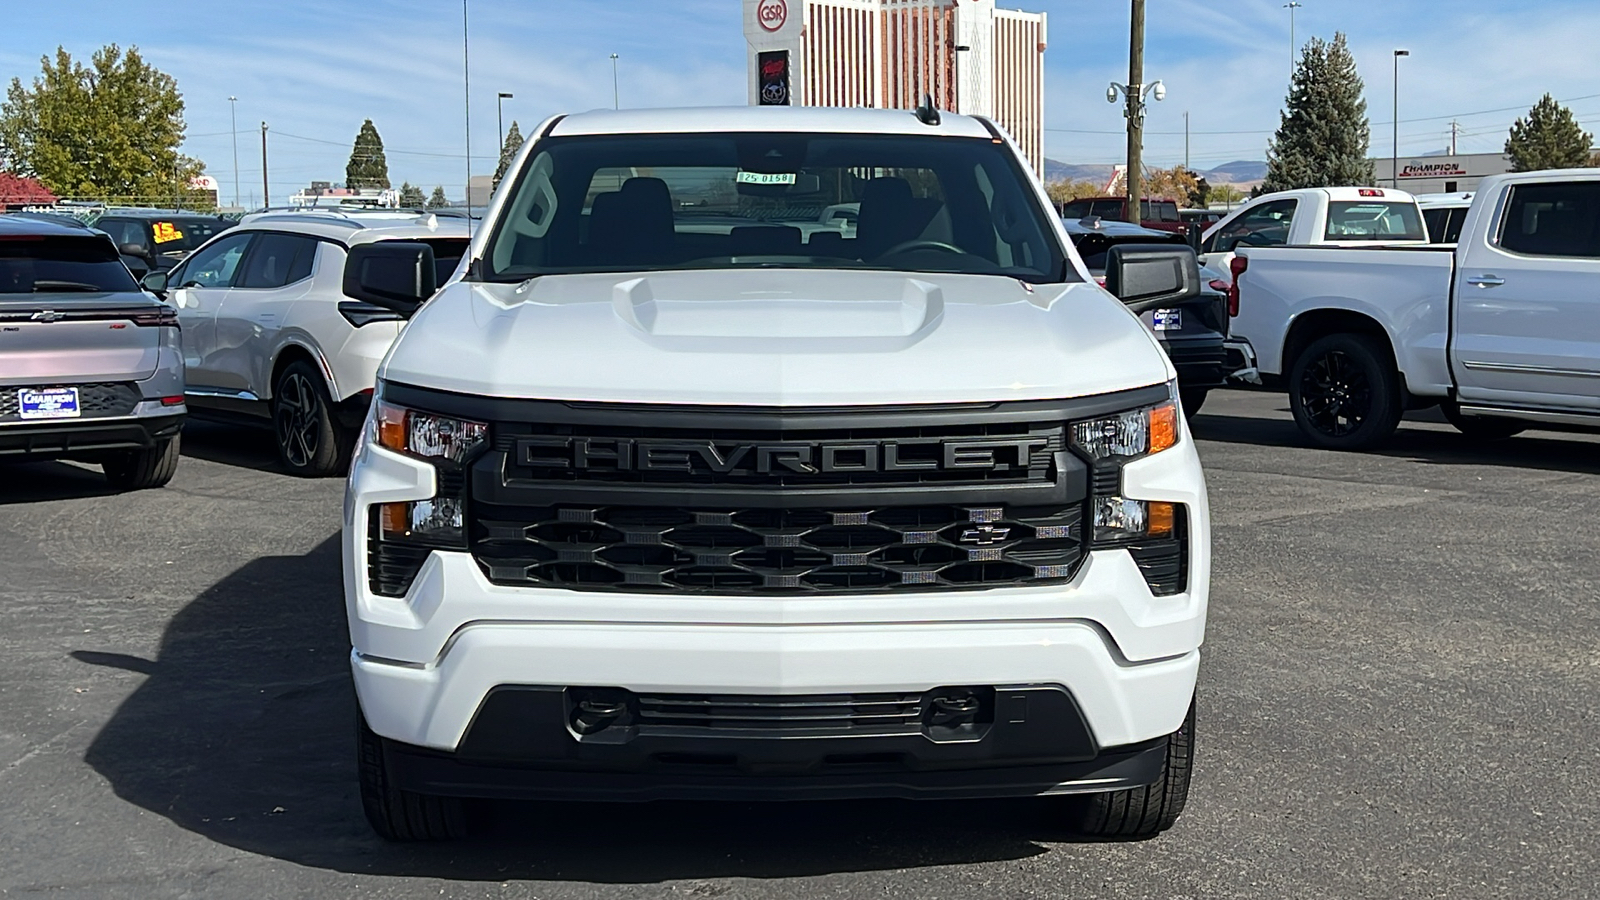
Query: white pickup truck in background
point(1315, 217)
point(1501, 331)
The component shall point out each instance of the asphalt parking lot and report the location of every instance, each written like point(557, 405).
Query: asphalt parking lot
point(1397, 700)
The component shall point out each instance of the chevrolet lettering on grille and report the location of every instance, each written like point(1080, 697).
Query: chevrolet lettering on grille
point(786, 457)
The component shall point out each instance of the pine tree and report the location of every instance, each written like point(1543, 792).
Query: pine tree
point(367, 169)
point(438, 200)
point(1323, 133)
point(411, 195)
point(508, 152)
point(1549, 138)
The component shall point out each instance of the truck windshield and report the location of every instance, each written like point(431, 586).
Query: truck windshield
point(715, 201)
point(49, 265)
point(1368, 220)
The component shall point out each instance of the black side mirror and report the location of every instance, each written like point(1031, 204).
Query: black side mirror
point(136, 250)
point(155, 283)
point(1152, 276)
point(396, 275)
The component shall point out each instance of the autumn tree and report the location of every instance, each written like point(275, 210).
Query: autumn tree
point(1068, 190)
point(1548, 138)
point(367, 169)
point(109, 130)
point(1323, 133)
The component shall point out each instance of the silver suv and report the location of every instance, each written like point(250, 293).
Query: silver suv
point(269, 335)
point(90, 367)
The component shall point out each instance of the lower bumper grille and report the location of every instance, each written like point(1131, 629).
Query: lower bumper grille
point(776, 550)
point(99, 400)
point(800, 714)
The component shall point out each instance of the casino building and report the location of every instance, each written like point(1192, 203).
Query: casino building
point(970, 56)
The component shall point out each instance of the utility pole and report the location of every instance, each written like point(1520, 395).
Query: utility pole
point(466, 88)
point(1135, 112)
point(1455, 131)
point(1186, 140)
point(233, 118)
point(266, 193)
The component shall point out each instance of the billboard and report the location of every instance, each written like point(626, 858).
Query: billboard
point(772, 72)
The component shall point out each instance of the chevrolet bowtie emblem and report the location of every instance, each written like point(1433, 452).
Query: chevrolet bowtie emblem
point(48, 315)
point(984, 535)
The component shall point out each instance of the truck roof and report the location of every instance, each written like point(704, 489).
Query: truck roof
point(800, 119)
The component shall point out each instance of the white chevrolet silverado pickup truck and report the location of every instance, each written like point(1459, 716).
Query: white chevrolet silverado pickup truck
point(1501, 331)
point(671, 493)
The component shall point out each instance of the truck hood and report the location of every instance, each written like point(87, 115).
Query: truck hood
point(776, 338)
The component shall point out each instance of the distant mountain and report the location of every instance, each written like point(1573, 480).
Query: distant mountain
point(1238, 172)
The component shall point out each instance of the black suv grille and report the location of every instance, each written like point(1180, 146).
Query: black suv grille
point(776, 550)
point(101, 400)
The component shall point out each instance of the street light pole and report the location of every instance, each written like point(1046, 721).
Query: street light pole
point(1394, 160)
point(500, 116)
point(1291, 6)
point(616, 91)
point(466, 88)
point(1135, 111)
point(265, 201)
point(233, 118)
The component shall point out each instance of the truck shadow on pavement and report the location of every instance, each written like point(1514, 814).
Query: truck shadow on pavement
point(1545, 450)
point(243, 732)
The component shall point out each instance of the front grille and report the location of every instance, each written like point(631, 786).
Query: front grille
point(543, 454)
point(764, 550)
point(802, 714)
point(95, 401)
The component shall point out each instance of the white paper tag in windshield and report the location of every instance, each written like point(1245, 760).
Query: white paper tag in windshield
point(765, 178)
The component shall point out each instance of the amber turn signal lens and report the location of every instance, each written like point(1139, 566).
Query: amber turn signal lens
point(394, 519)
point(1163, 519)
point(1163, 427)
point(391, 427)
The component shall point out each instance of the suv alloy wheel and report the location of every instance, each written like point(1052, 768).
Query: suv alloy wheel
point(310, 442)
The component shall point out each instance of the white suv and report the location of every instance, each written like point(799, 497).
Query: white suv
point(672, 493)
point(269, 334)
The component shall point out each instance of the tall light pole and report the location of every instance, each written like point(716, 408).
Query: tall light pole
point(265, 201)
point(1291, 6)
point(616, 92)
point(233, 118)
point(466, 105)
point(500, 116)
point(1394, 160)
point(1135, 91)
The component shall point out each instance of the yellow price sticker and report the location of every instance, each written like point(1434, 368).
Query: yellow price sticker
point(166, 231)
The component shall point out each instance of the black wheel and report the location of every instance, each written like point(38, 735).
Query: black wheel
point(310, 442)
point(398, 815)
point(1344, 392)
point(1145, 812)
point(1482, 428)
point(139, 469)
point(1193, 399)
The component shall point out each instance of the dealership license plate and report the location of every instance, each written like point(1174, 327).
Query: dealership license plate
point(51, 403)
point(1169, 320)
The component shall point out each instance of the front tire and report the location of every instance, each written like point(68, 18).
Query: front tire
point(136, 470)
point(310, 441)
point(1481, 428)
point(1345, 393)
point(1145, 812)
point(399, 815)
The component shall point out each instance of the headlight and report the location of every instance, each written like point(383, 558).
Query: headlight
point(1128, 435)
point(425, 434)
point(1118, 519)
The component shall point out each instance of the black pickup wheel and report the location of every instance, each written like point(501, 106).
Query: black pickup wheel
point(1345, 393)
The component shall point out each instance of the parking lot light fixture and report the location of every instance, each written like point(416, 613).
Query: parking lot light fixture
point(1394, 161)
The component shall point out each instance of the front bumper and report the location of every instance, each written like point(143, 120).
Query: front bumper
point(428, 665)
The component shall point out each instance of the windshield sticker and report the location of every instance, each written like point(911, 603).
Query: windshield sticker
point(765, 178)
point(166, 232)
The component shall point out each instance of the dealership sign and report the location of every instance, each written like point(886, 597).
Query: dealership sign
point(772, 14)
point(1432, 170)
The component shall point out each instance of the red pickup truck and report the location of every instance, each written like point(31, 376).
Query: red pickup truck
point(1158, 213)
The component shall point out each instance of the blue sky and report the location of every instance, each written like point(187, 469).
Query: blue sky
point(313, 69)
